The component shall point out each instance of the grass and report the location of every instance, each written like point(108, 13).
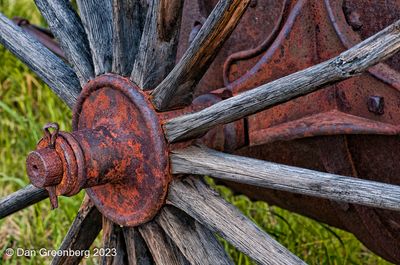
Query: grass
point(26, 104)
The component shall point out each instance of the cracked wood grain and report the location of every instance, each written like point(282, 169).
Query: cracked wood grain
point(197, 243)
point(204, 161)
point(96, 16)
point(82, 233)
point(206, 206)
point(177, 88)
point(163, 252)
point(137, 251)
point(128, 22)
point(158, 46)
point(67, 27)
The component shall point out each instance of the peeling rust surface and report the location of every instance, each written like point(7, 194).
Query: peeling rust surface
point(124, 144)
point(117, 152)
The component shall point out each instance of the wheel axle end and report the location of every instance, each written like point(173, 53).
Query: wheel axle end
point(44, 167)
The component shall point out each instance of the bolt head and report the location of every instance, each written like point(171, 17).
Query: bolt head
point(376, 105)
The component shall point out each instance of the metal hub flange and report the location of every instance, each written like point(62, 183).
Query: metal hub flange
point(117, 151)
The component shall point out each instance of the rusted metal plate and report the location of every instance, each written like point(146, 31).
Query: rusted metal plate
point(247, 35)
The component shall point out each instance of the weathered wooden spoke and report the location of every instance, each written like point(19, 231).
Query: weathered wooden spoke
point(207, 207)
point(51, 69)
point(114, 243)
point(137, 251)
point(21, 199)
point(197, 243)
point(159, 43)
point(67, 27)
point(177, 88)
point(349, 63)
point(128, 22)
point(96, 16)
point(163, 252)
point(81, 234)
point(204, 161)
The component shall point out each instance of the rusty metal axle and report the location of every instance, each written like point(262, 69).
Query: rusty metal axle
point(117, 152)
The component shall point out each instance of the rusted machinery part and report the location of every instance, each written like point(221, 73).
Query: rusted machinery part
point(117, 151)
point(305, 132)
point(350, 128)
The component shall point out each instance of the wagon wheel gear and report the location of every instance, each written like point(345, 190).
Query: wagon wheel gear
point(139, 139)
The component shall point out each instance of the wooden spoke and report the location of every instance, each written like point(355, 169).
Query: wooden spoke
point(177, 88)
point(349, 63)
point(203, 161)
point(51, 69)
point(197, 243)
point(129, 238)
point(81, 234)
point(163, 252)
point(207, 207)
point(128, 22)
point(96, 16)
point(21, 199)
point(66, 25)
point(157, 50)
point(138, 253)
point(113, 240)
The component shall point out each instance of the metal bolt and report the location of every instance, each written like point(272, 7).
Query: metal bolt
point(376, 105)
point(353, 19)
point(195, 30)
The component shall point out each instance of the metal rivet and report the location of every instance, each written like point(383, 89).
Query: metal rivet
point(376, 105)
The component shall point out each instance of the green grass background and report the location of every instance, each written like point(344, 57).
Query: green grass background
point(26, 104)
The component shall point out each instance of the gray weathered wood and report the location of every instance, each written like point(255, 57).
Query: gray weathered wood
point(157, 50)
point(349, 63)
point(67, 27)
point(207, 207)
point(129, 237)
point(128, 22)
point(197, 243)
point(51, 69)
point(178, 254)
point(81, 234)
point(177, 88)
point(96, 16)
point(157, 242)
point(21, 199)
point(204, 161)
point(137, 251)
point(113, 239)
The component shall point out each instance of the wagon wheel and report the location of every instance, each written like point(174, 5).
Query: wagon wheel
point(133, 158)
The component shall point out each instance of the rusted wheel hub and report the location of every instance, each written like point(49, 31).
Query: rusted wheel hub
point(117, 152)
